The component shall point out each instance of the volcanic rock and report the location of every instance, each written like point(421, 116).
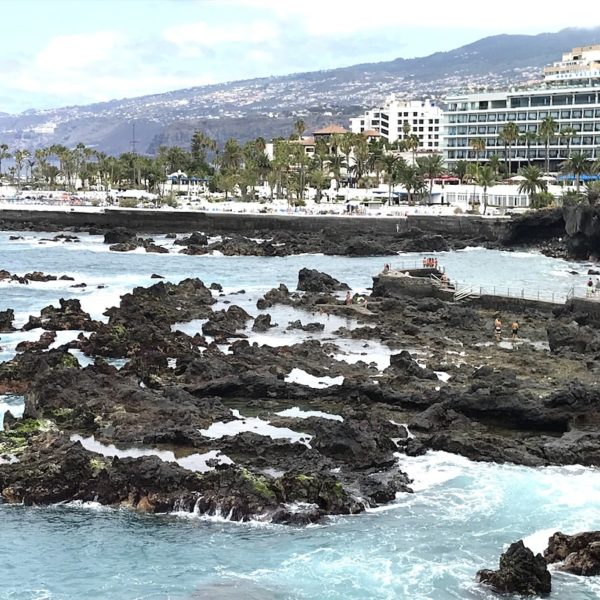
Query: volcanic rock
point(520, 572)
point(580, 553)
point(311, 280)
point(6, 320)
point(119, 235)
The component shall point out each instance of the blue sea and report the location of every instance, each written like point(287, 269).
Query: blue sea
point(427, 545)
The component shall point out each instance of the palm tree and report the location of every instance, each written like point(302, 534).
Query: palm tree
point(346, 146)
point(232, 156)
point(509, 135)
point(412, 180)
point(471, 176)
point(375, 160)
point(577, 164)
point(530, 137)
point(319, 180)
point(336, 163)
point(533, 182)
point(495, 162)
point(568, 133)
point(199, 147)
point(592, 192)
point(431, 166)
point(20, 157)
point(485, 178)
point(4, 154)
point(361, 158)
point(460, 169)
point(412, 142)
point(390, 167)
point(299, 129)
point(478, 146)
point(321, 152)
point(547, 131)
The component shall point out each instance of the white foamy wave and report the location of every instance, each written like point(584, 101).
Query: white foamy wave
point(560, 273)
point(261, 520)
point(433, 468)
point(87, 505)
point(537, 541)
point(471, 249)
point(83, 359)
point(64, 337)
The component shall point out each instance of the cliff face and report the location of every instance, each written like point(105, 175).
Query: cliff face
point(534, 227)
point(582, 226)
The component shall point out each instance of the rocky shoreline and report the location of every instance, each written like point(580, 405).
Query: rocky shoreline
point(568, 233)
point(243, 441)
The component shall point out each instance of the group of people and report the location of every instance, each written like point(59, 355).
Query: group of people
point(360, 300)
point(430, 263)
point(514, 329)
point(591, 288)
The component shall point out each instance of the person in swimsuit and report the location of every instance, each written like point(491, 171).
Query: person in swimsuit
point(498, 328)
point(514, 330)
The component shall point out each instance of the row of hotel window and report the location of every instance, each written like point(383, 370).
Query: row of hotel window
point(526, 101)
point(519, 153)
point(495, 129)
point(580, 140)
point(386, 117)
point(401, 123)
point(588, 113)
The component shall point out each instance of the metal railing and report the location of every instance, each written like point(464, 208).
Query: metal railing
point(463, 291)
point(585, 293)
point(552, 296)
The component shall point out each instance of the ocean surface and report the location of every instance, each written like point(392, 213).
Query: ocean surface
point(427, 545)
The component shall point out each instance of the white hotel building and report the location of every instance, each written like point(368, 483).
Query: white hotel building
point(397, 119)
point(569, 94)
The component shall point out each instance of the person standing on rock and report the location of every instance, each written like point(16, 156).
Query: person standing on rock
point(590, 287)
point(514, 329)
point(498, 328)
point(348, 298)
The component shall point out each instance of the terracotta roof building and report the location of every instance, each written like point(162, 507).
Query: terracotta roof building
point(329, 130)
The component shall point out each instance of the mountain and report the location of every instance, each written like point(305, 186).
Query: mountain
point(268, 106)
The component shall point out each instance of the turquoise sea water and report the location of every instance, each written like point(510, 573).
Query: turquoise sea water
point(425, 546)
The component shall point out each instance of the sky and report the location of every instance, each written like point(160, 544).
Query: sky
point(65, 52)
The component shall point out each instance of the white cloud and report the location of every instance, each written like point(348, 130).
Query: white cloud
point(78, 51)
point(96, 67)
point(338, 17)
point(204, 35)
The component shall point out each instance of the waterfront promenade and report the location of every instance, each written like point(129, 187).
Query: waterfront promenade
point(180, 220)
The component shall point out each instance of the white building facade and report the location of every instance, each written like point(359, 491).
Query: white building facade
point(397, 119)
point(569, 95)
point(581, 63)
